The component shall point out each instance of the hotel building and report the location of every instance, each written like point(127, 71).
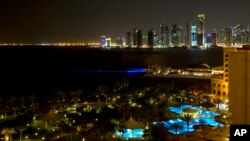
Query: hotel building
point(238, 72)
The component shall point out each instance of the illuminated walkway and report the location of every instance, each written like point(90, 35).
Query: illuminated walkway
point(187, 76)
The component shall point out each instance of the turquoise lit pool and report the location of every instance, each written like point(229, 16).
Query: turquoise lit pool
point(184, 128)
point(136, 133)
point(202, 113)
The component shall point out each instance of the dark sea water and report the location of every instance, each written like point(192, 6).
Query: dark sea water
point(40, 69)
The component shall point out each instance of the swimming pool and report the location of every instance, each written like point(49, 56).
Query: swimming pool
point(205, 115)
point(136, 133)
point(202, 113)
point(184, 128)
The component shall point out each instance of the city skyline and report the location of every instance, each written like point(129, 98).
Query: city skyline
point(84, 21)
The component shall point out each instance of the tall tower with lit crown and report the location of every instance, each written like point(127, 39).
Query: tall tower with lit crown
point(201, 30)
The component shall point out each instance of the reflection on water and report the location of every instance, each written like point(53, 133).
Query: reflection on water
point(30, 67)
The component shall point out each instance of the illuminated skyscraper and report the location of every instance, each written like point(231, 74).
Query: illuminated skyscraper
point(181, 35)
point(245, 35)
point(137, 38)
point(144, 40)
point(167, 36)
point(128, 39)
point(209, 40)
point(108, 42)
point(240, 35)
point(151, 38)
point(188, 32)
point(194, 36)
point(162, 38)
point(174, 35)
point(135, 34)
point(103, 41)
point(228, 36)
point(214, 38)
point(201, 30)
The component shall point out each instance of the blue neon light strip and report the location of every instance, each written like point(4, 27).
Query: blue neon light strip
point(140, 70)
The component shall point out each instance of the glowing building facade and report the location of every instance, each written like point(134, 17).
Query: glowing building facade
point(228, 36)
point(201, 30)
point(188, 32)
point(108, 42)
point(103, 41)
point(209, 40)
point(162, 38)
point(167, 33)
point(194, 36)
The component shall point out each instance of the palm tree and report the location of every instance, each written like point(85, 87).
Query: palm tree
point(187, 118)
point(122, 129)
point(60, 93)
point(202, 123)
point(75, 95)
point(176, 127)
point(102, 90)
point(218, 101)
point(21, 129)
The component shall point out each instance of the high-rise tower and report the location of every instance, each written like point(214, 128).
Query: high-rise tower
point(137, 38)
point(167, 36)
point(162, 40)
point(194, 36)
point(129, 39)
point(151, 38)
point(135, 34)
point(201, 30)
point(228, 36)
point(214, 38)
point(188, 32)
point(174, 35)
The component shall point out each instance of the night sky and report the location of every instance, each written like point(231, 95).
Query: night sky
point(36, 21)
